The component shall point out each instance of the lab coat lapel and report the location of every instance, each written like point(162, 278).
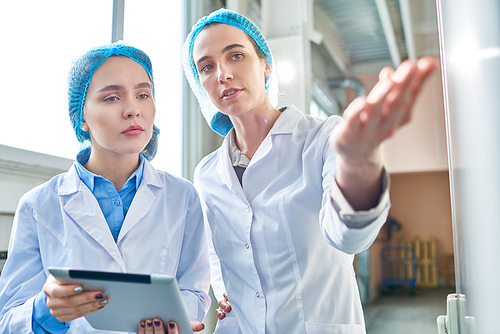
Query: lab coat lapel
point(143, 200)
point(226, 171)
point(285, 124)
point(83, 208)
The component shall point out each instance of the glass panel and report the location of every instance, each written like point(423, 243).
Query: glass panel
point(470, 53)
point(155, 26)
point(40, 39)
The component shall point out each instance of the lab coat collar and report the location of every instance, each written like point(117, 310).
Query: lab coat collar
point(70, 183)
point(143, 200)
point(288, 121)
point(285, 124)
point(82, 206)
point(84, 209)
point(226, 170)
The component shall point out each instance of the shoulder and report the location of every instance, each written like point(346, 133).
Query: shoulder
point(169, 182)
point(307, 128)
point(323, 125)
point(207, 163)
point(43, 194)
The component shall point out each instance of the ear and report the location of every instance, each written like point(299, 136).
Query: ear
point(268, 70)
point(84, 126)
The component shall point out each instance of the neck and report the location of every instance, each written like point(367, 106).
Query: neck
point(252, 128)
point(116, 168)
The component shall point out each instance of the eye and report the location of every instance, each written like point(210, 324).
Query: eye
point(111, 99)
point(206, 68)
point(237, 56)
point(143, 96)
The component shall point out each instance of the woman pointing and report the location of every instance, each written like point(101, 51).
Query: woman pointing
point(288, 198)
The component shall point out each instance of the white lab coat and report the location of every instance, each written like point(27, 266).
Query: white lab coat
point(274, 236)
point(60, 224)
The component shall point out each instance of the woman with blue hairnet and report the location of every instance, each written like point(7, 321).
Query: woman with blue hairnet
point(288, 198)
point(111, 211)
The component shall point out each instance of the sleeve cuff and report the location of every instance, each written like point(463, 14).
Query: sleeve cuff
point(359, 219)
point(43, 321)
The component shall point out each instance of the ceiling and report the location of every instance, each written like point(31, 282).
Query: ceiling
point(362, 36)
point(353, 38)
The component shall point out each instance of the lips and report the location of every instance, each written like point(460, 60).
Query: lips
point(133, 130)
point(230, 93)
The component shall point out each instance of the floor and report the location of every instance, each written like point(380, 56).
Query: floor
point(401, 313)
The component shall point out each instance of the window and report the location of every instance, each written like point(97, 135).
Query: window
point(155, 26)
point(40, 40)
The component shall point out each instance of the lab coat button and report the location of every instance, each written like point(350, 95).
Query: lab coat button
point(257, 295)
point(247, 246)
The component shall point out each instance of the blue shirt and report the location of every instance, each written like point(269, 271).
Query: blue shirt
point(114, 206)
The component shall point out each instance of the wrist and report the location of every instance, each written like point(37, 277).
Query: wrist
point(364, 166)
point(360, 181)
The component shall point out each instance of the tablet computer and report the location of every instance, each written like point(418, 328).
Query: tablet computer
point(132, 298)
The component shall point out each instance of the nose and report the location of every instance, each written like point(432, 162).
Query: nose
point(224, 74)
point(132, 109)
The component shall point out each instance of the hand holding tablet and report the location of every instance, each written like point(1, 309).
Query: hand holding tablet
point(129, 299)
point(68, 302)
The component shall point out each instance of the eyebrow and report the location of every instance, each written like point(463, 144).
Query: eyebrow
point(226, 49)
point(120, 87)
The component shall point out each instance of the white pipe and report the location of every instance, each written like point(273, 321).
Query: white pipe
point(385, 18)
point(404, 6)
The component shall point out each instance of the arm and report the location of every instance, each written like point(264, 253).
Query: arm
point(356, 199)
point(369, 121)
point(23, 277)
point(24, 306)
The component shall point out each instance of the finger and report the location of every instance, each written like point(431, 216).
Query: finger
point(353, 111)
point(377, 99)
point(172, 328)
point(149, 327)
point(399, 100)
point(351, 129)
point(53, 288)
point(220, 314)
point(411, 78)
point(197, 326)
point(73, 314)
point(142, 328)
point(225, 306)
point(66, 309)
point(385, 73)
point(426, 66)
point(158, 326)
point(88, 297)
point(225, 296)
point(65, 315)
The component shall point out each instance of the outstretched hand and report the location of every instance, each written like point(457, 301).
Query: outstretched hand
point(374, 118)
point(369, 121)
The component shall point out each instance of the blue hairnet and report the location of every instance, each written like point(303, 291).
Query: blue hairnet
point(219, 122)
point(79, 78)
